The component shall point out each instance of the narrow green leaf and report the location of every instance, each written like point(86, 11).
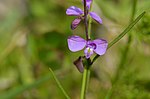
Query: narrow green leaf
point(126, 30)
point(122, 34)
point(59, 85)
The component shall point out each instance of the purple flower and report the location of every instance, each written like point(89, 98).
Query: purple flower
point(74, 11)
point(76, 43)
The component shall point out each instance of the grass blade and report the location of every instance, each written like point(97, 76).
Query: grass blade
point(59, 85)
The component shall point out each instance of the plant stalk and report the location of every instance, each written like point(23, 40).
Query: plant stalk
point(85, 80)
point(85, 20)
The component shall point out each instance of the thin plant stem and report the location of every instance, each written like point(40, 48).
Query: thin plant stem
point(85, 20)
point(89, 25)
point(133, 10)
point(85, 80)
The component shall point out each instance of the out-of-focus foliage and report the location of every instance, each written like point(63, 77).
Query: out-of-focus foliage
point(33, 37)
point(144, 29)
point(144, 26)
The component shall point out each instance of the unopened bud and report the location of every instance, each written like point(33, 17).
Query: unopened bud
point(75, 23)
point(79, 64)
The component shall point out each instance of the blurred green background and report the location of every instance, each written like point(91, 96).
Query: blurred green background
point(33, 37)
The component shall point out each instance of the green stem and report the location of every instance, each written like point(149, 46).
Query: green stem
point(90, 22)
point(89, 27)
point(85, 80)
point(133, 10)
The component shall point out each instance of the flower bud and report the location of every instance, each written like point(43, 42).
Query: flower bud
point(79, 64)
point(75, 23)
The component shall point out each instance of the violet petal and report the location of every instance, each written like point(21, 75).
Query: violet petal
point(74, 11)
point(76, 43)
point(75, 23)
point(96, 17)
point(101, 46)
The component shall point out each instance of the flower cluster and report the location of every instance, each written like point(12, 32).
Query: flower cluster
point(75, 11)
point(76, 43)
